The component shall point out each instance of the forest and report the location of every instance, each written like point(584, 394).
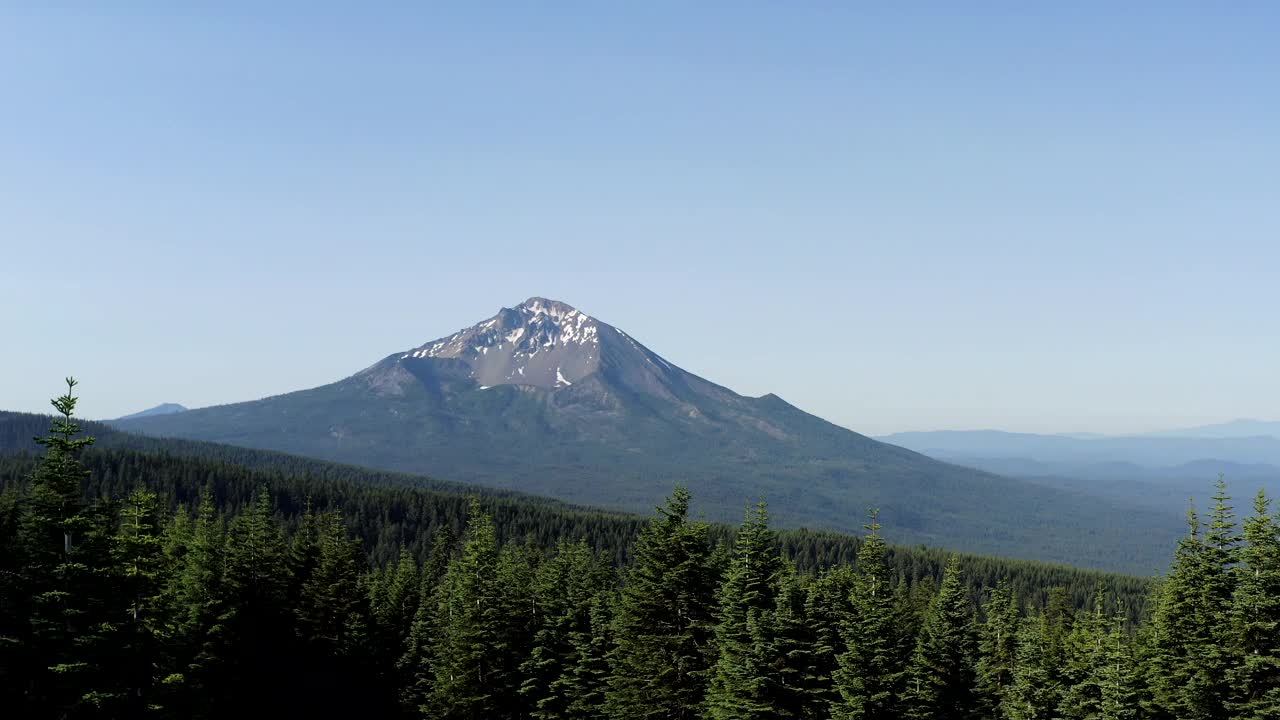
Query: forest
point(148, 584)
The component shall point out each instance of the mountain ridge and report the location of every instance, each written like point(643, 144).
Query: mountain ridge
point(543, 398)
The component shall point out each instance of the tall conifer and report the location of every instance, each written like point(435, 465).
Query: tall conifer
point(940, 685)
point(871, 677)
point(665, 619)
point(1255, 618)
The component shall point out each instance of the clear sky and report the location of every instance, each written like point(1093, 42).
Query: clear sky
point(1031, 216)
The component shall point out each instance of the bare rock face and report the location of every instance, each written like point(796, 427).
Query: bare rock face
point(547, 344)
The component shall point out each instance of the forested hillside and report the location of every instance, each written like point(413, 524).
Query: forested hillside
point(542, 398)
point(233, 594)
point(393, 513)
point(1080, 547)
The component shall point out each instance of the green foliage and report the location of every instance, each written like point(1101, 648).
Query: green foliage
point(940, 684)
point(1038, 679)
point(997, 650)
point(664, 624)
point(387, 510)
point(567, 590)
point(765, 667)
point(1191, 658)
point(1255, 618)
point(65, 546)
point(234, 592)
point(871, 677)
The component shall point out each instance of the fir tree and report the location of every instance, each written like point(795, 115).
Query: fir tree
point(1255, 618)
point(330, 614)
point(473, 649)
point(871, 677)
point(399, 604)
point(791, 671)
point(1190, 662)
point(1118, 678)
point(941, 679)
point(997, 648)
point(584, 685)
point(195, 598)
point(416, 674)
point(256, 620)
point(664, 622)
point(563, 590)
point(828, 611)
point(738, 687)
point(1038, 682)
point(138, 556)
point(65, 544)
point(1087, 656)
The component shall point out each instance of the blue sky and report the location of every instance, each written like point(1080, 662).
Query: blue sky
point(900, 216)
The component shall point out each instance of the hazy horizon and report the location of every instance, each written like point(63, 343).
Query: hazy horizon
point(1055, 219)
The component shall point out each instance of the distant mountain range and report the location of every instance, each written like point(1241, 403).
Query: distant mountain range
point(1160, 470)
point(545, 399)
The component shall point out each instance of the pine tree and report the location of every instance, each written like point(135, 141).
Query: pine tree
point(330, 613)
point(1038, 682)
point(564, 591)
point(941, 679)
point(522, 612)
point(399, 603)
point(65, 546)
point(416, 673)
point(792, 671)
point(997, 648)
point(738, 685)
point(138, 556)
point(331, 621)
point(1087, 657)
point(473, 652)
point(871, 677)
point(1118, 678)
point(1192, 654)
point(196, 609)
point(585, 684)
point(663, 629)
point(1255, 618)
point(828, 611)
point(1175, 627)
point(256, 619)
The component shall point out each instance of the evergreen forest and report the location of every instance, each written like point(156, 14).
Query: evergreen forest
point(153, 583)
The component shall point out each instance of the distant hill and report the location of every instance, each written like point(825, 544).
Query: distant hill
point(165, 409)
point(546, 399)
point(388, 511)
point(1159, 472)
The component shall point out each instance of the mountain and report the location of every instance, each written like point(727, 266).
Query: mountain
point(545, 399)
point(1241, 428)
point(163, 409)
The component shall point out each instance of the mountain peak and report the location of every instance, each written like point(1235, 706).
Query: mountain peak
point(162, 409)
point(544, 306)
point(540, 342)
